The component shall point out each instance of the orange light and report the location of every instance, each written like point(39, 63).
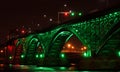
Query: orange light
point(69, 45)
point(85, 48)
point(81, 48)
point(72, 47)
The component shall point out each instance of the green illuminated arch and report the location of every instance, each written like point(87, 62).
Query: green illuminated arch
point(59, 40)
point(32, 50)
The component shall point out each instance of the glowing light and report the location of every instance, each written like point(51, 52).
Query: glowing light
point(118, 53)
point(66, 14)
point(76, 30)
point(10, 57)
point(41, 55)
point(72, 14)
point(72, 47)
point(1, 51)
point(44, 16)
point(62, 55)
point(22, 56)
point(65, 5)
point(50, 19)
point(84, 48)
point(62, 68)
point(22, 31)
point(79, 14)
point(44, 69)
point(85, 54)
point(37, 56)
point(69, 45)
point(70, 11)
point(38, 25)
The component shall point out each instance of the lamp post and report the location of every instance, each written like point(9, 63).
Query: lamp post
point(62, 13)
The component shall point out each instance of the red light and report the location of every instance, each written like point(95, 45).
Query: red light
point(10, 48)
point(23, 31)
point(66, 14)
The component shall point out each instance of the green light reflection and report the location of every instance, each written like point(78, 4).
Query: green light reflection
point(44, 69)
point(63, 68)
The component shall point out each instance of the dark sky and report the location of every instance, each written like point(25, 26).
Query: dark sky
point(18, 13)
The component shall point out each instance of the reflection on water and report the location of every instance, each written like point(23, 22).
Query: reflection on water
point(34, 68)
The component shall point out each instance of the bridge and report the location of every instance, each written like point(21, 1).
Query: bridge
point(99, 32)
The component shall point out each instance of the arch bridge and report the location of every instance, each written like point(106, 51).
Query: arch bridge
point(99, 32)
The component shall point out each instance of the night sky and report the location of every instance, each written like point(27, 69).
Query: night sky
point(20, 13)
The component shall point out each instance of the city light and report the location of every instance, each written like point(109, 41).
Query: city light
point(36, 56)
point(41, 55)
point(118, 53)
point(84, 48)
point(65, 5)
point(50, 19)
point(66, 13)
point(73, 47)
point(22, 56)
point(10, 57)
point(69, 45)
point(85, 54)
point(1, 51)
point(80, 14)
point(62, 55)
point(23, 31)
point(72, 14)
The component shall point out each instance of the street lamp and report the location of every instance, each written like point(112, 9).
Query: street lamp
point(69, 45)
point(66, 13)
